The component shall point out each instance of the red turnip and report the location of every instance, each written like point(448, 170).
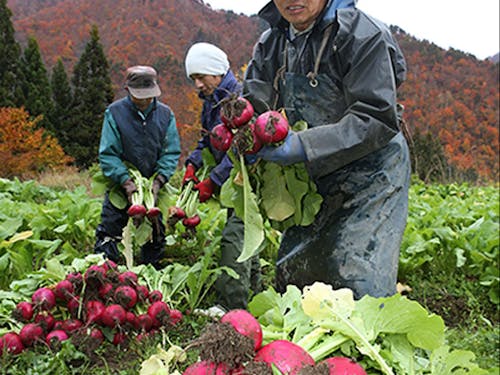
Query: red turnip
point(175, 316)
point(23, 312)
point(96, 335)
point(71, 325)
point(207, 367)
point(109, 265)
point(131, 320)
point(160, 313)
point(221, 137)
point(44, 299)
point(11, 343)
point(30, 334)
point(95, 276)
point(106, 291)
point(74, 306)
point(94, 311)
point(45, 320)
point(119, 338)
point(128, 278)
point(176, 212)
point(246, 324)
point(113, 316)
point(343, 366)
point(236, 111)
point(137, 210)
point(76, 279)
point(256, 143)
point(288, 357)
point(155, 296)
point(54, 338)
point(64, 290)
point(191, 222)
point(271, 127)
point(126, 296)
point(144, 322)
point(153, 212)
point(142, 292)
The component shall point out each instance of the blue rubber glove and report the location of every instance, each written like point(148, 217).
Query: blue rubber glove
point(289, 152)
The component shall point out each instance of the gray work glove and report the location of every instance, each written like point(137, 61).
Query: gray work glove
point(129, 188)
point(158, 183)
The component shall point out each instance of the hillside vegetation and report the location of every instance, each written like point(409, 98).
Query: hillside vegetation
point(450, 97)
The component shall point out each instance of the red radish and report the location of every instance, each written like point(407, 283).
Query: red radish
point(142, 292)
point(175, 316)
point(205, 368)
point(71, 325)
point(131, 319)
point(155, 296)
point(96, 335)
point(119, 338)
point(76, 279)
point(271, 127)
point(137, 210)
point(236, 112)
point(128, 278)
point(64, 290)
point(176, 212)
point(153, 212)
point(288, 357)
point(44, 299)
point(126, 296)
point(191, 222)
point(95, 275)
point(30, 334)
point(45, 320)
point(109, 265)
point(74, 306)
point(94, 311)
point(55, 337)
point(11, 343)
point(23, 312)
point(343, 366)
point(144, 322)
point(246, 324)
point(160, 313)
point(106, 291)
point(221, 137)
point(113, 316)
point(256, 144)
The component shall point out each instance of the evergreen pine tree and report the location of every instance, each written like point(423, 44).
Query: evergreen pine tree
point(62, 99)
point(93, 92)
point(11, 77)
point(36, 88)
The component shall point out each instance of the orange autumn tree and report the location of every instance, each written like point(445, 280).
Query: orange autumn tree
point(25, 149)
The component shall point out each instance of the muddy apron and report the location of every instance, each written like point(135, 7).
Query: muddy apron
point(355, 239)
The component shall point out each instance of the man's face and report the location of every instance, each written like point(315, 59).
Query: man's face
point(142, 104)
point(300, 13)
point(206, 84)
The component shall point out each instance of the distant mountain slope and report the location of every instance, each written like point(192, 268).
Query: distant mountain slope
point(450, 94)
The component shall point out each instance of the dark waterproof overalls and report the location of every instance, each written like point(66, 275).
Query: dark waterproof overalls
point(360, 165)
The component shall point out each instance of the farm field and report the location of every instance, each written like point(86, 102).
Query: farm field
point(446, 319)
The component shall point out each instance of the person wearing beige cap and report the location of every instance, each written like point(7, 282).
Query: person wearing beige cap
point(139, 130)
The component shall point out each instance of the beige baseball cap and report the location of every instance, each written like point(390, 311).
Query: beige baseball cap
point(141, 82)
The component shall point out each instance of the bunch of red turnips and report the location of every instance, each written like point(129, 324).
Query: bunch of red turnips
point(245, 131)
point(233, 346)
point(100, 304)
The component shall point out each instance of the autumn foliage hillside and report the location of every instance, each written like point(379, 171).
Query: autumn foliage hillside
point(449, 94)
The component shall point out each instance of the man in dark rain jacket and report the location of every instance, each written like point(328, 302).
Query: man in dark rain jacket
point(142, 131)
point(208, 67)
point(333, 66)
